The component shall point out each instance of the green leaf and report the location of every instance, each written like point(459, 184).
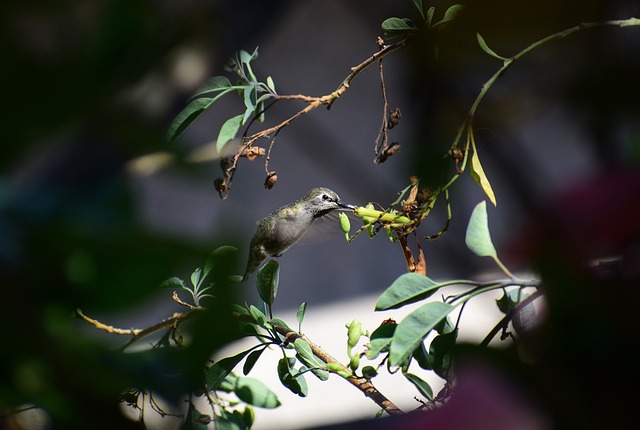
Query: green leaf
point(173, 282)
point(254, 392)
point(217, 372)
point(414, 328)
point(486, 48)
point(250, 95)
point(422, 386)
point(380, 339)
point(195, 277)
point(228, 131)
point(251, 360)
point(430, 13)
point(277, 322)
point(271, 85)
point(210, 262)
point(187, 116)
point(418, 5)
point(395, 27)
point(408, 288)
point(229, 421)
point(508, 301)
point(267, 281)
point(300, 314)
point(451, 14)
point(246, 58)
point(478, 238)
point(258, 316)
point(217, 83)
point(441, 354)
point(477, 172)
point(309, 359)
point(297, 384)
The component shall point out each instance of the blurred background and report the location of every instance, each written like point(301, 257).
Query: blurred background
point(89, 86)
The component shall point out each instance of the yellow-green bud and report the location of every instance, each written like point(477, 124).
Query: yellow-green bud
point(345, 224)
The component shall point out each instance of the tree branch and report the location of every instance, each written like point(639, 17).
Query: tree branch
point(362, 384)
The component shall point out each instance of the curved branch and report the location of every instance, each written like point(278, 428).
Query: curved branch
point(362, 384)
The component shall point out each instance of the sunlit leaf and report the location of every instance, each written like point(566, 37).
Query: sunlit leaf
point(297, 384)
point(256, 393)
point(309, 359)
point(478, 238)
point(380, 339)
point(300, 314)
point(422, 386)
point(477, 172)
point(412, 330)
point(408, 288)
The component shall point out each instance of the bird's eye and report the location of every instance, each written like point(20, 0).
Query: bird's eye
point(325, 197)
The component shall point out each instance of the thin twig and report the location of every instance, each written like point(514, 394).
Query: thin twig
point(504, 322)
point(313, 102)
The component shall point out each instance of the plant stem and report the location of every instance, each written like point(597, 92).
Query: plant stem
point(364, 385)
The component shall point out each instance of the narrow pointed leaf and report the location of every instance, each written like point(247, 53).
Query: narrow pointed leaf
point(423, 387)
point(267, 281)
point(408, 288)
point(308, 358)
point(218, 371)
point(251, 360)
point(187, 116)
point(300, 314)
point(412, 330)
point(228, 131)
point(418, 5)
point(195, 277)
point(486, 48)
point(215, 84)
point(478, 238)
point(477, 172)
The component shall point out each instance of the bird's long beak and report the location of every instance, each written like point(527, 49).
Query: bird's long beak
point(345, 205)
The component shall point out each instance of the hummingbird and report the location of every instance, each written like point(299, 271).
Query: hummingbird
point(281, 229)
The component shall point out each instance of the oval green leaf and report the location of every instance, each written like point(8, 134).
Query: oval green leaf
point(478, 238)
point(422, 386)
point(408, 288)
point(228, 131)
point(255, 393)
point(414, 328)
